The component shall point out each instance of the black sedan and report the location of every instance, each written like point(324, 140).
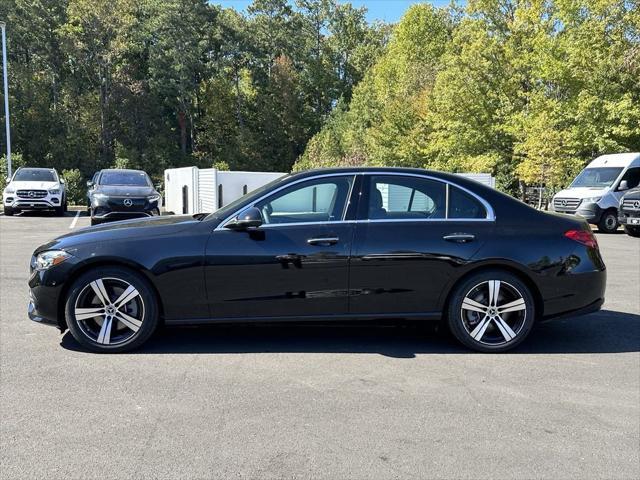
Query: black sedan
point(118, 194)
point(342, 244)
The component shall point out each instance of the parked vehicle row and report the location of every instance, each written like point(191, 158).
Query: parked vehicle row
point(355, 244)
point(34, 189)
point(596, 193)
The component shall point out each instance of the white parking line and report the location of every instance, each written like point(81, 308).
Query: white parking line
point(74, 221)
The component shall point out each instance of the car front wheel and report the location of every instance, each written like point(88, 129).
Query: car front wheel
point(111, 310)
point(491, 311)
point(609, 222)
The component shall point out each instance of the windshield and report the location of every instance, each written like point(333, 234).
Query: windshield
point(35, 175)
point(134, 179)
point(254, 194)
point(600, 177)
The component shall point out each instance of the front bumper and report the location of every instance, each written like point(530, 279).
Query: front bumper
point(629, 217)
point(114, 208)
point(591, 212)
point(14, 202)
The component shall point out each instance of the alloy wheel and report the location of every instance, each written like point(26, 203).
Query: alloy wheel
point(493, 312)
point(109, 311)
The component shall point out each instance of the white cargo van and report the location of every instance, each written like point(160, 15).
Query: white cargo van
point(596, 192)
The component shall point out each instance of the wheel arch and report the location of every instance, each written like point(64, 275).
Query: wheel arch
point(517, 272)
point(104, 262)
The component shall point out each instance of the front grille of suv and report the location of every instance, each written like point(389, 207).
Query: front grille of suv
point(31, 193)
point(631, 204)
point(566, 204)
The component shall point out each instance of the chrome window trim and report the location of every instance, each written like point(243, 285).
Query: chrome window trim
point(273, 192)
point(490, 216)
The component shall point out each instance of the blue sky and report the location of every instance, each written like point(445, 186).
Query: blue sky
point(387, 10)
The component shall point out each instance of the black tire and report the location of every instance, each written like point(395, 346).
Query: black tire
point(120, 336)
point(65, 206)
point(632, 231)
point(8, 211)
point(95, 222)
point(609, 222)
point(490, 333)
point(59, 211)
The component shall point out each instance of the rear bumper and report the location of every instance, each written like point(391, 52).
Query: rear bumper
point(576, 294)
point(591, 308)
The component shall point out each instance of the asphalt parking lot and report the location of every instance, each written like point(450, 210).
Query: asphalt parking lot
point(319, 402)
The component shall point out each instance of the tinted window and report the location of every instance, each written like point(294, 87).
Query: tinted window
point(463, 205)
point(600, 177)
point(632, 176)
point(396, 197)
point(320, 200)
point(134, 179)
point(34, 175)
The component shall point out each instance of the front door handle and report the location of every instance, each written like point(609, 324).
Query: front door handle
point(459, 237)
point(323, 241)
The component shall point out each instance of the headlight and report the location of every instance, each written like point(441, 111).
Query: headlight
point(100, 196)
point(54, 191)
point(591, 200)
point(9, 190)
point(50, 258)
point(153, 198)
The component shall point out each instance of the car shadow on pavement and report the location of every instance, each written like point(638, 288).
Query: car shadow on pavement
point(602, 332)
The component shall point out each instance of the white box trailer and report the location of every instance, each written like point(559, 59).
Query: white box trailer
point(191, 190)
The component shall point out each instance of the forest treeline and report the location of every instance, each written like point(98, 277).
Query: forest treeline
point(527, 90)
point(160, 83)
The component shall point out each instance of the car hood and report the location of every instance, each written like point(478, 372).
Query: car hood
point(633, 194)
point(152, 227)
point(35, 185)
point(580, 192)
point(125, 190)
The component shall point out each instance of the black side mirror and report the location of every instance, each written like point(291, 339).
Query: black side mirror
point(89, 183)
point(624, 185)
point(249, 218)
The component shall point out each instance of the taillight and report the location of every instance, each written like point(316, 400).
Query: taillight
point(584, 237)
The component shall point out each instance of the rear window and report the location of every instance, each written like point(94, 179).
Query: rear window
point(134, 179)
point(35, 175)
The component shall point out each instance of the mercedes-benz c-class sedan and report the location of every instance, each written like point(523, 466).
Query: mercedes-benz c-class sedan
point(340, 244)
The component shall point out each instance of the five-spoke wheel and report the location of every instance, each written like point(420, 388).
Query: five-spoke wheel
point(491, 311)
point(111, 310)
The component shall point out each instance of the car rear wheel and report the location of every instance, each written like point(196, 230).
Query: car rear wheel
point(632, 231)
point(111, 310)
point(609, 222)
point(491, 311)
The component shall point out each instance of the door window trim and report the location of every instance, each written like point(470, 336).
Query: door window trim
point(490, 215)
point(306, 179)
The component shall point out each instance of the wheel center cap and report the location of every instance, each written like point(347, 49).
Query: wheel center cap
point(111, 310)
point(492, 311)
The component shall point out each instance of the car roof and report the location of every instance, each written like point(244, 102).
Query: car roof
point(38, 168)
point(123, 170)
point(616, 160)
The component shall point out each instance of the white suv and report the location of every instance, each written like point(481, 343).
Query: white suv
point(35, 189)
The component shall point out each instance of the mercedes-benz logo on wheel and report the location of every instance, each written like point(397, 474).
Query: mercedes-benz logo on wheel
point(127, 202)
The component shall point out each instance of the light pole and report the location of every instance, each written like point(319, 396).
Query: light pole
point(3, 26)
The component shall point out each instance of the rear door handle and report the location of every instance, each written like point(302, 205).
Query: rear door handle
point(323, 241)
point(459, 237)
